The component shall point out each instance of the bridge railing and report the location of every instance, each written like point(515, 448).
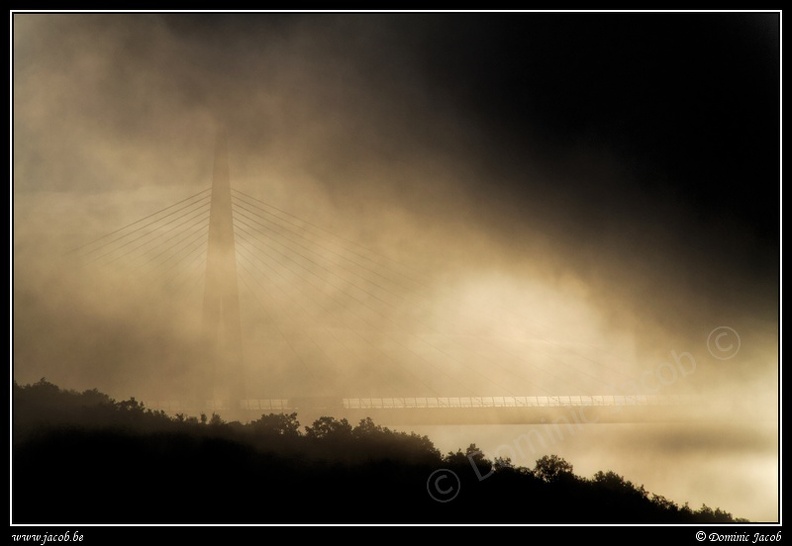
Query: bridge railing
point(512, 401)
point(438, 402)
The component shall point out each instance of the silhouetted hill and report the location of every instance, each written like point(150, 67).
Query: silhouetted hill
point(85, 458)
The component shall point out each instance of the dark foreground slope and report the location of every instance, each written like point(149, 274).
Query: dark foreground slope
point(84, 458)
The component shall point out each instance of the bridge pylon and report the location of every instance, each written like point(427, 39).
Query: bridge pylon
point(224, 381)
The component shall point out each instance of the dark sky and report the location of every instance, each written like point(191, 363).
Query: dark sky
point(687, 105)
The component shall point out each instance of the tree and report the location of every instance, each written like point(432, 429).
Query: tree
point(612, 481)
point(705, 514)
point(503, 463)
point(552, 468)
point(277, 424)
point(368, 429)
point(325, 427)
point(93, 397)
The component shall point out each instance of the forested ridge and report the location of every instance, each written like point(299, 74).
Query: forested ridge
point(82, 457)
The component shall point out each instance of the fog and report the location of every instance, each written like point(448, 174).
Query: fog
point(480, 205)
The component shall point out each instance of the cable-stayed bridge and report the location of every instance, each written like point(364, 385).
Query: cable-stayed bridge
point(294, 317)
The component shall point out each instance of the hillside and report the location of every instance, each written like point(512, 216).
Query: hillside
point(86, 458)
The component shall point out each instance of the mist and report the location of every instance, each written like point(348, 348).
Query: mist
point(425, 205)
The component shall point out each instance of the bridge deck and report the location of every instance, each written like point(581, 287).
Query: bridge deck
point(461, 410)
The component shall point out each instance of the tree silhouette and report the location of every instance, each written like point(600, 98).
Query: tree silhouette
point(552, 468)
point(329, 428)
point(168, 467)
point(277, 424)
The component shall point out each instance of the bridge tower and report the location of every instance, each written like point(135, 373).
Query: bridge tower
point(221, 320)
